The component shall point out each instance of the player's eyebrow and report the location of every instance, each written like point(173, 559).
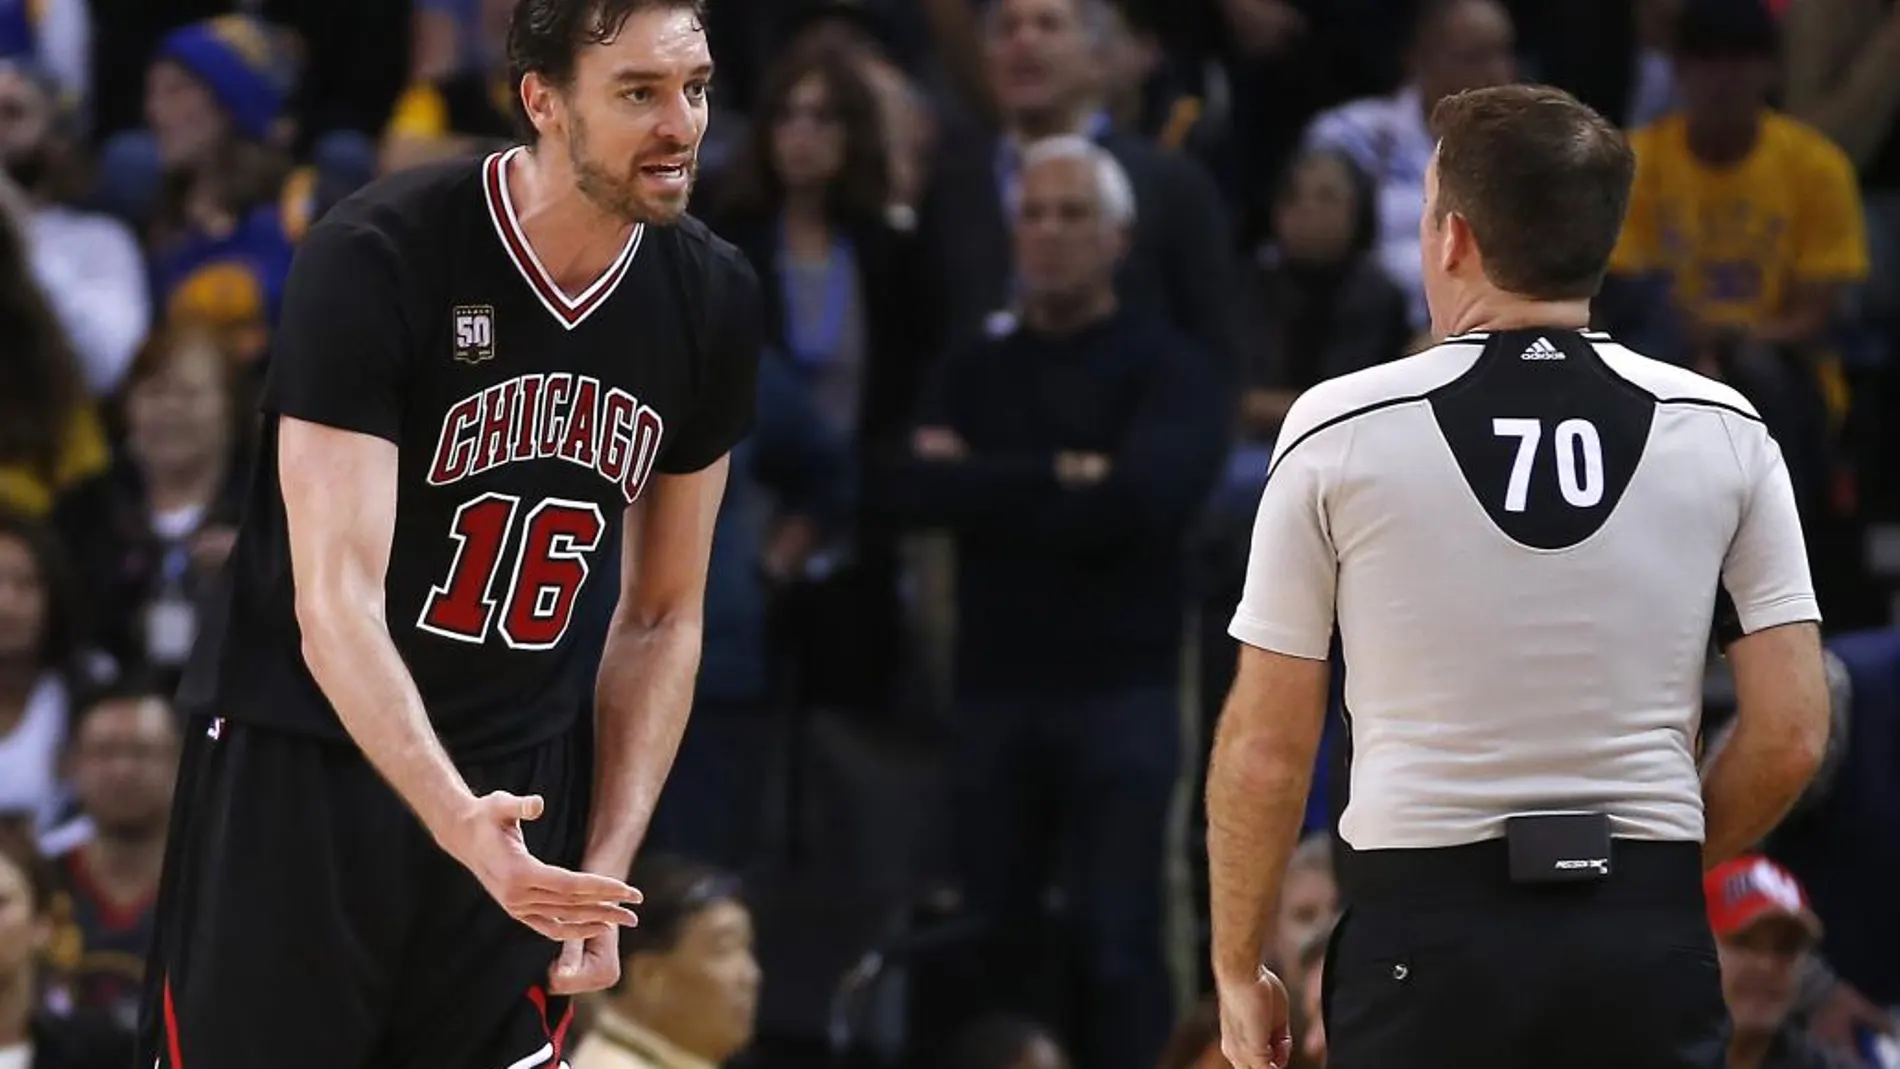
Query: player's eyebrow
point(648, 75)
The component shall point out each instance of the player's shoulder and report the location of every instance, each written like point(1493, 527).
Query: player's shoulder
point(1367, 392)
point(715, 262)
point(412, 207)
point(1671, 385)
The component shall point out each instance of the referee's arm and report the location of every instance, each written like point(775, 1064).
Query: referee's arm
point(1269, 732)
point(1782, 715)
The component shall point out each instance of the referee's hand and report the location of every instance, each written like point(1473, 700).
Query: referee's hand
point(1255, 1030)
point(556, 902)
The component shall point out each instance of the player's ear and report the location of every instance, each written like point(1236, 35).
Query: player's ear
point(542, 100)
point(1456, 245)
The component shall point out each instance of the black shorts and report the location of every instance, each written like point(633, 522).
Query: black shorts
point(1441, 963)
point(307, 920)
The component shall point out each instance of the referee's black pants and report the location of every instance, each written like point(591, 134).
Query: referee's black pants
point(1440, 962)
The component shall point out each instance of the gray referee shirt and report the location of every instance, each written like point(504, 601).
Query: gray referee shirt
point(1521, 535)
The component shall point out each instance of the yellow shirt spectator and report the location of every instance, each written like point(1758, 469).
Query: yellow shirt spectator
point(84, 455)
point(1734, 241)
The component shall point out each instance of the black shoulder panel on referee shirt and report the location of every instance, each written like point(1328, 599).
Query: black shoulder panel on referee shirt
point(1547, 435)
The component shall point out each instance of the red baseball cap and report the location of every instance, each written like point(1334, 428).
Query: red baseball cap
point(1751, 889)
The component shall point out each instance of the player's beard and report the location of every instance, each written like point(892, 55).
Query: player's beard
point(619, 194)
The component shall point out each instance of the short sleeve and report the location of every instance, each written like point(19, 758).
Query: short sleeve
point(1287, 604)
point(1636, 247)
point(1831, 235)
point(341, 350)
point(1765, 573)
point(727, 397)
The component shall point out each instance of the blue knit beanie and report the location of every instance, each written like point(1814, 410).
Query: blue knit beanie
point(234, 57)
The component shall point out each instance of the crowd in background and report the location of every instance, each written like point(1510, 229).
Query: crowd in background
point(1042, 279)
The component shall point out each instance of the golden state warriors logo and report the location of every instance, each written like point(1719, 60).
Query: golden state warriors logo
point(474, 332)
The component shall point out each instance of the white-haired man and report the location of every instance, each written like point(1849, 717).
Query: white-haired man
point(1066, 453)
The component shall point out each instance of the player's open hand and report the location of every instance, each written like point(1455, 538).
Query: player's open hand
point(591, 964)
point(556, 902)
point(1255, 1027)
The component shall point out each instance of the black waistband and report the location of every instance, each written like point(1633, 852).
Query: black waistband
point(1641, 872)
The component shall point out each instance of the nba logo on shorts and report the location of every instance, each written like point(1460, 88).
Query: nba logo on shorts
point(474, 332)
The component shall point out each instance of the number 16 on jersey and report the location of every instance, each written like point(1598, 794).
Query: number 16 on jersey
point(1579, 460)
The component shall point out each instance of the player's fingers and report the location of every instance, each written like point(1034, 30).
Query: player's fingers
point(561, 929)
point(569, 886)
point(513, 807)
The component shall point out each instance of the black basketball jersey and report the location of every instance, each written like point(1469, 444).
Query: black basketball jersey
point(527, 421)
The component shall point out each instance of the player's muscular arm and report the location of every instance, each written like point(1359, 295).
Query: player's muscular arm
point(1781, 729)
point(339, 549)
point(645, 689)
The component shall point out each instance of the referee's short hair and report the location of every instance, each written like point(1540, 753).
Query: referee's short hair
point(1542, 180)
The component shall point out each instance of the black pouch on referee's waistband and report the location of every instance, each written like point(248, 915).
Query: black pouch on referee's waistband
point(1558, 847)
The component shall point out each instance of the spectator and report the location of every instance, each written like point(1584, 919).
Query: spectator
point(689, 985)
point(30, 1036)
point(1320, 305)
point(50, 437)
point(149, 534)
point(1195, 1043)
point(55, 35)
point(214, 99)
point(1309, 987)
point(89, 265)
point(39, 645)
point(847, 303)
point(1309, 898)
point(789, 488)
point(1763, 931)
point(465, 110)
point(1067, 456)
point(1045, 60)
point(124, 760)
point(1004, 1042)
point(1456, 45)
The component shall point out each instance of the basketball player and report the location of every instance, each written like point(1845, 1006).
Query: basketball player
point(488, 375)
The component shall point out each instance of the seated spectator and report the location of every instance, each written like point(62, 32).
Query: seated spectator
point(1456, 45)
point(39, 648)
point(214, 100)
point(149, 534)
point(1320, 303)
point(689, 985)
point(464, 110)
point(847, 304)
point(1004, 1042)
point(55, 35)
point(1308, 995)
point(32, 1037)
point(50, 436)
point(1763, 932)
point(1067, 456)
point(1309, 899)
point(90, 268)
point(1195, 1043)
point(123, 760)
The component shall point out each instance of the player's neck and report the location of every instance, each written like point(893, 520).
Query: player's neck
point(1497, 311)
point(571, 236)
point(16, 1007)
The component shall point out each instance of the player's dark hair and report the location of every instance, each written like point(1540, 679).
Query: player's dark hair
point(62, 631)
point(861, 191)
point(546, 37)
point(673, 891)
point(41, 389)
point(1543, 181)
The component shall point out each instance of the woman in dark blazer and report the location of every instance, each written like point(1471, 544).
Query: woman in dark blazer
point(846, 300)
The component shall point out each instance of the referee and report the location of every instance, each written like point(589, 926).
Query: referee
point(1524, 532)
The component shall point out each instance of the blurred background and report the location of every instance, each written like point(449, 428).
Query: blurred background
point(938, 805)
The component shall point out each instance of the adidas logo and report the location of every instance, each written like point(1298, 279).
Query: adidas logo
point(1541, 349)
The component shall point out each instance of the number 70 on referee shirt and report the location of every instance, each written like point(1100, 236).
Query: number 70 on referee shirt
point(1577, 455)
